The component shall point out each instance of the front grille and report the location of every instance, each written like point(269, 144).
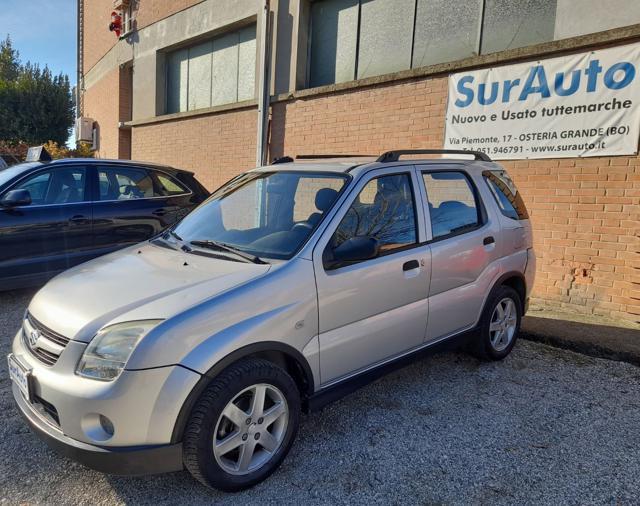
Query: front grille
point(43, 343)
point(47, 332)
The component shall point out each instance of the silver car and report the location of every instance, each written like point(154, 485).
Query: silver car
point(292, 285)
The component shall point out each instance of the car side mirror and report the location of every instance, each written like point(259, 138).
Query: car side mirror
point(15, 198)
point(355, 249)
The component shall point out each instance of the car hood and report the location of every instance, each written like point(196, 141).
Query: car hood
point(137, 283)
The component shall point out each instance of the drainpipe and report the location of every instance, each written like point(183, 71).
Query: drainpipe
point(263, 84)
point(79, 56)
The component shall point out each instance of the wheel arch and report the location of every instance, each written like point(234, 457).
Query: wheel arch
point(283, 355)
point(515, 280)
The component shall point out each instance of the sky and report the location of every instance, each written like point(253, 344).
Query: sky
point(43, 32)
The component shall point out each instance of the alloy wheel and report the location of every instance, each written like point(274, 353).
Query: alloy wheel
point(504, 321)
point(250, 429)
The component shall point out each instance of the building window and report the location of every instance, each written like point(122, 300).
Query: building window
point(354, 39)
point(215, 72)
point(509, 24)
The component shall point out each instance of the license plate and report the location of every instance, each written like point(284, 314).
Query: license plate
point(20, 375)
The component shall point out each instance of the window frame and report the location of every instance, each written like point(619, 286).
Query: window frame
point(166, 52)
point(353, 194)
point(87, 196)
point(481, 211)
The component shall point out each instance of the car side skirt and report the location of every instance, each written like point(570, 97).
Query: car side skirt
point(349, 385)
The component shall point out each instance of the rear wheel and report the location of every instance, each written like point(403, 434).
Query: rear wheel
point(499, 325)
point(243, 425)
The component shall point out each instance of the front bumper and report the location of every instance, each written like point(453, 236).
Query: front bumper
point(132, 460)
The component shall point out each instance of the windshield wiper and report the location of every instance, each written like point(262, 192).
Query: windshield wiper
point(220, 246)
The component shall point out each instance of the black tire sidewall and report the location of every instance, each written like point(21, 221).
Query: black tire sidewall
point(499, 294)
point(209, 469)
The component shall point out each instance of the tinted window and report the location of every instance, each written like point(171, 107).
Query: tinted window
point(123, 183)
point(384, 209)
point(507, 196)
point(452, 204)
point(169, 186)
point(58, 186)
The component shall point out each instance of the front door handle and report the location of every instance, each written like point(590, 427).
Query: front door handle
point(159, 212)
point(79, 219)
point(488, 240)
point(410, 265)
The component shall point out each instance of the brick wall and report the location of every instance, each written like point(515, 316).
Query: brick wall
point(585, 212)
point(216, 146)
point(97, 39)
point(101, 104)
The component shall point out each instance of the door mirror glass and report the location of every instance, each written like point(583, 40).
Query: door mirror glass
point(15, 198)
point(354, 249)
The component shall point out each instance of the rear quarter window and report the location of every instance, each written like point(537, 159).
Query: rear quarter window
point(506, 194)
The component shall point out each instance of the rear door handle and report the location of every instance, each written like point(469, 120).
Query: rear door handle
point(78, 218)
point(410, 265)
point(488, 240)
point(159, 212)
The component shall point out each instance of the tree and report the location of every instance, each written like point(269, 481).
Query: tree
point(9, 61)
point(35, 105)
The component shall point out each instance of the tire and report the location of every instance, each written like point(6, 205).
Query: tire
point(489, 344)
point(221, 414)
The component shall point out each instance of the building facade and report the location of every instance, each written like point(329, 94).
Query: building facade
point(181, 86)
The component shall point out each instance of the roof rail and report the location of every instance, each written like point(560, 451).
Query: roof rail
point(394, 156)
point(282, 159)
point(337, 155)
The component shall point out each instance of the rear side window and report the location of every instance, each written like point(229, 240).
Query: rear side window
point(506, 194)
point(123, 183)
point(452, 203)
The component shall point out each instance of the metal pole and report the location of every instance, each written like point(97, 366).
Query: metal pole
point(263, 85)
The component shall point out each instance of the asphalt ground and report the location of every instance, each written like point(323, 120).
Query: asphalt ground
point(544, 426)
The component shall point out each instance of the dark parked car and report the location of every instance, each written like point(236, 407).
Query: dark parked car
point(58, 214)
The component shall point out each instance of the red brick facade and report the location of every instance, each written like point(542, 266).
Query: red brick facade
point(217, 147)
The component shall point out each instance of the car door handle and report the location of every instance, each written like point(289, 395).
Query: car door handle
point(159, 212)
point(78, 218)
point(410, 265)
point(488, 240)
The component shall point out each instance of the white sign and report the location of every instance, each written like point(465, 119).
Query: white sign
point(585, 104)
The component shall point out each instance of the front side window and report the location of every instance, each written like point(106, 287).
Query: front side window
point(384, 210)
point(452, 204)
point(57, 186)
point(267, 214)
point(122, 183)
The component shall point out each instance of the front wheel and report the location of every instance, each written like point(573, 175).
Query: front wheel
point(243, 425)
point(499, 325)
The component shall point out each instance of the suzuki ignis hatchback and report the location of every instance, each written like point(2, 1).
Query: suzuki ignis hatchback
point(289, 286)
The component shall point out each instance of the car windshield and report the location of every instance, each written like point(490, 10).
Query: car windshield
point(16, 170)
point(265, 214)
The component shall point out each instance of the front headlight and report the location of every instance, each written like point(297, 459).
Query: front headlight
point(105, 357)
